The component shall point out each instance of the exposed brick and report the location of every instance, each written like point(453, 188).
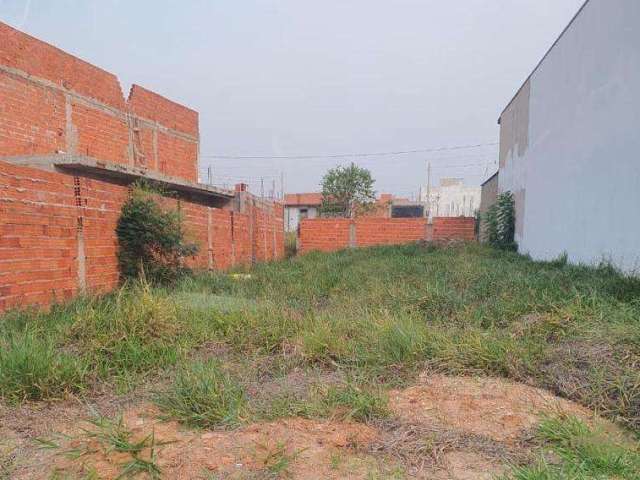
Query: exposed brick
point(331, 234)
point(39, 242)
point(152, 106)
point(52, 102)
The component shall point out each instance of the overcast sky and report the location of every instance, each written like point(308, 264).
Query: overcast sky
point(316, 77)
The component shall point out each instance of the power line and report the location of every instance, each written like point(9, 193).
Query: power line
point(349, 155)
point(484, 164)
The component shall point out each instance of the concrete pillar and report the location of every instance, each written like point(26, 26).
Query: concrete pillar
point(210, 259)
point(81, 255)
point(353, 241)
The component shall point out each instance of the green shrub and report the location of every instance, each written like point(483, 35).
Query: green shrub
point(501, 223)
point(151, 238)
point(204, 396)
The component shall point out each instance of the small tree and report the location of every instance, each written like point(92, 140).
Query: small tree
point(151, 238)
point(501, 223)
point(347, 191)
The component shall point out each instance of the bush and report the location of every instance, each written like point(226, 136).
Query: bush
point(204, 396)
point(501, 223)
point(151, 238)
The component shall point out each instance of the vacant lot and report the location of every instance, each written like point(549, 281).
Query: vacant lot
point(451, 363)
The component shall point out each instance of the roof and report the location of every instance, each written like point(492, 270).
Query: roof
point(302, 199)
point(545, 56)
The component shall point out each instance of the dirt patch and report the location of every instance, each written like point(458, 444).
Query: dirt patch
point(427, 450)
point(458, 465)
point(500, 410)
point(444, 428)
point(297, 448)
point(21, 426)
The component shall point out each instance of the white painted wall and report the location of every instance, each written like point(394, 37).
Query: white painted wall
point(452, 198)
point(577, 177)
point(292, 216)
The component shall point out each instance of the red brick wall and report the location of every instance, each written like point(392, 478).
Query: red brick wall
point(52, 102)
point(98, 134)
point(175, 157)
point(454, 228)
point(241, 238)
point(27, 54)
point(50, 221)
point(38, 248)
point(330, 234)
point(268, 241)
point(222, 239)
point(152, 106)
point(389, 231)
point(101, 203)
point(32, 119)
point(324, 234)
point(57, 231)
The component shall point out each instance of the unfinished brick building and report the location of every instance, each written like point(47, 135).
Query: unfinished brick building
point(70, 146)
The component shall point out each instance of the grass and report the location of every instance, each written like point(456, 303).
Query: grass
point(290, 244)
point(382, 313)
point(581, 453)
point(373, 316)
point(357, 403)
point(386, 312)
point(345, 401)
point(203, 396)
point(32, 369)
point(119, 339)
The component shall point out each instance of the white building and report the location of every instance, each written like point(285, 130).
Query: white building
point(452, 198)
point(298, 206)
point(570, 142)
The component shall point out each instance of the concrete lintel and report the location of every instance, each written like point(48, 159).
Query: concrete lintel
point(81, 163)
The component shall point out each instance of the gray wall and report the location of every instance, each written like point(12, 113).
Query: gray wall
point(292, 216)
point(488, 198)
point(570, 142)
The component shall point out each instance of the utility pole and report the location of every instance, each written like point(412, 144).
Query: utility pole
point(428, 189)
point(209, 175)
point(282, 184)
point(273, 188)
point(262, 187)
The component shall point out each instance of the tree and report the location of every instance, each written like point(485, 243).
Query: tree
point(347, 191)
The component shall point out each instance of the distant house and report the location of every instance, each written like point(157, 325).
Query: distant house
point(405, 208)
point(298, 206)
point(452, 198)
point(307, 205)
point(489, 196)
point(390, 206)
point(570, 142)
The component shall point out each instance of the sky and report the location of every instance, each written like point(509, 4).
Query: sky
point(291, 78)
